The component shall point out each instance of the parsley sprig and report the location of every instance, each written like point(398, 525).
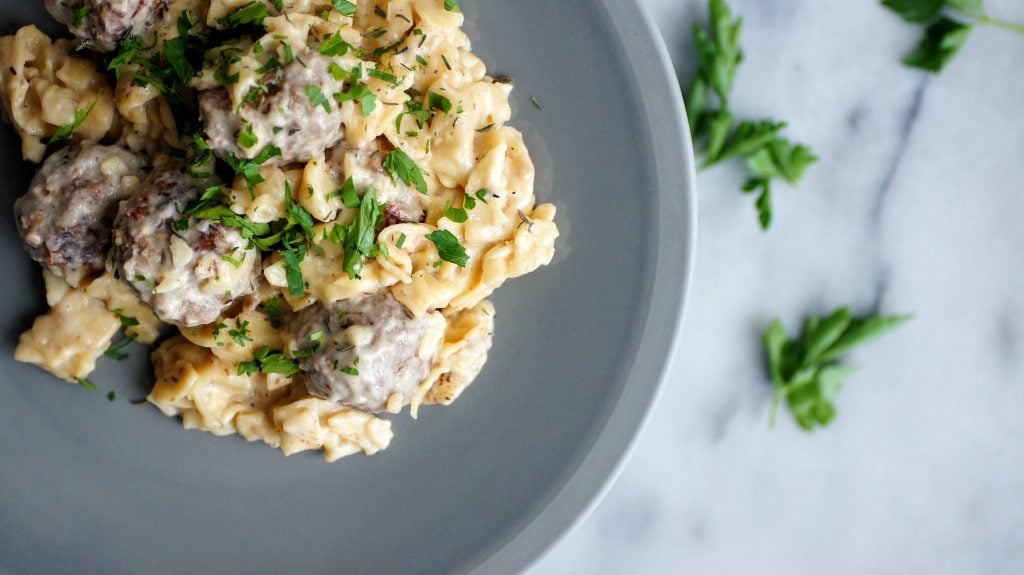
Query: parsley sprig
point(806, 371)
point(769, 157)
point(943, 34)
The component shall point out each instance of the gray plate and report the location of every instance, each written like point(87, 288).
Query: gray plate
point(92, 486)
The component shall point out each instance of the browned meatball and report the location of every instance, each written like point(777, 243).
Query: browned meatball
point(188, 270)
point(100, 24)
point(367, 349)
point(365, 165)
point(65, 216)
point(285, 115)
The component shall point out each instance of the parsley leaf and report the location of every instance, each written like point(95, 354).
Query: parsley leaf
point(251, 13)
point(247, 138)
point(451, 5)
point(402, 167)
point(805, 371)
point(80, 14)
point(448, 247)
point(942, 39)
point(438, 102)
point(272, 307)
point(241, 333)
point(457, 215)
point(713, 125)
point(250, 169)
point(360, 236)
point(266, 361)
point(360, 93)
point(336, 46)
point(85, 383)
point(316, 96)
point(917, 11)
point(943, 35)
point(64, 132)
point(345, 7)
point(293, 273)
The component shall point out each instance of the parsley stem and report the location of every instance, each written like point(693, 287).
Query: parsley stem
point(776, 402)
point(1004, 24)
point(983, 17)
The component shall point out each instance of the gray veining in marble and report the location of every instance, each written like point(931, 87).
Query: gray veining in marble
point(916, 205)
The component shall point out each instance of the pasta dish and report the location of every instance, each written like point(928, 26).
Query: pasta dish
point(302, 205)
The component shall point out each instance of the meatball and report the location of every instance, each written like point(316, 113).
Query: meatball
point(66, 215)
point(360, 351)
point(187, 269)
point(100, 24)
point(296, 113)
point(365, 165)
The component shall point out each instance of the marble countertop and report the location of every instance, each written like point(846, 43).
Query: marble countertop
point(916, 205)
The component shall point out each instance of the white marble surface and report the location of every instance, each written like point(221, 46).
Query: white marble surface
point(917, 205)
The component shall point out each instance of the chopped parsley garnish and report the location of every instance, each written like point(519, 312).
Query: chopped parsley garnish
point(451, 5)
point(251, 13)
point(345, 7)
point(64, 132)
point(401, 241)
point(379, 11)
point(351, 369)
point(349, 196)
point(360, 93)
point(250, 169)
point(247, 138)
point(272, 307)
point(468, 202)
point(126, 320)
point(359, 238)
point(415, 109)
point(241, 333)
point(402, 167)
point(335, 45)
point(317, 338)
point(204, 201)
point(130, 47)
point(234, 261)
point(316, 96)
point(449, 248)
point(111, 396)
point(266, 361)
point(174, 50)
point(381, 75)
point(116, 350)
point(457, 215)
point(481, 195)
point(203, 158)
point(81, 13)
point(149, 283)
point(438, 102)
point(271, 64)
point(85, 383)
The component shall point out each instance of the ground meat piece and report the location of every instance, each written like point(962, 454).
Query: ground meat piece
point(365, 165)
point(100, 24)
point(188, 270)
point(285, 115)
point(65, 216)
point(369, 350)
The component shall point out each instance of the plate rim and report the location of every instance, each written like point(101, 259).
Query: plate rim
point(594, 475)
